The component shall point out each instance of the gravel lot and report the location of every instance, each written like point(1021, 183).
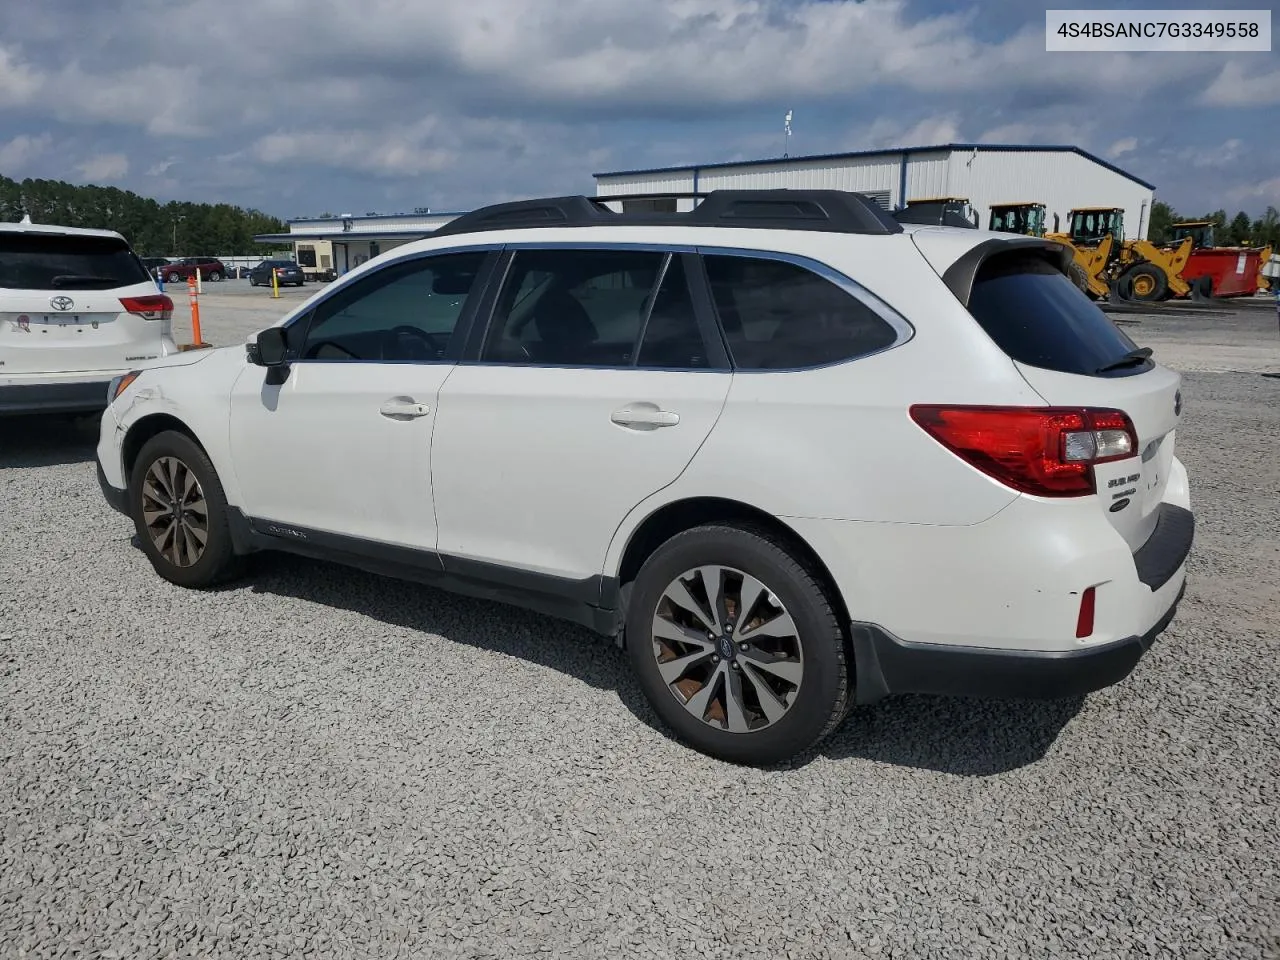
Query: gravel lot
point(317, 762)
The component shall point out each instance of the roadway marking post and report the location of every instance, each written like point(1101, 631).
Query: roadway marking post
point(193, 291)
point(275, 282)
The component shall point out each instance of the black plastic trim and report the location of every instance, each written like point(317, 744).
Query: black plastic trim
point(578, 601)
point(82, 397)
point(1167, 548)
point(115, 497)
point(887, 666)
point(832, 211)
point(960, 275)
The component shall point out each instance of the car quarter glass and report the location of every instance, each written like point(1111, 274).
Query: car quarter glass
point(781, 315)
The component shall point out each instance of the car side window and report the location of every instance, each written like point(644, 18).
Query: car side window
point(780, 315)
point(405, 312)
point(591, 308)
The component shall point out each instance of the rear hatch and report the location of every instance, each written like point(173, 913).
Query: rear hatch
point(72, 303)
point(1073, 355)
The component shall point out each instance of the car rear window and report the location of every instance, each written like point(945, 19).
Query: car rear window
point(1037, 316)
point(36, 262)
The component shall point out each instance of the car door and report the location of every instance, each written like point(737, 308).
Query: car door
point(343, 444)
point(595, 385)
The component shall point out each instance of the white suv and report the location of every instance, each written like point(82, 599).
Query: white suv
point(789, 453)
point(77, 308)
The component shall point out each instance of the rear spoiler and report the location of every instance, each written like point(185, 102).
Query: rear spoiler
point(959, 276)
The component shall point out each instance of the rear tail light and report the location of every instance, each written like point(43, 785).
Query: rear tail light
point(151, 307)
point(1045, 451)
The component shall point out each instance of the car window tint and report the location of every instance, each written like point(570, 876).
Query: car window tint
point(671, 335)
point(1037, 316)
point(404, 312)
point(779, 315)
point(573, 307)
point(30, 261)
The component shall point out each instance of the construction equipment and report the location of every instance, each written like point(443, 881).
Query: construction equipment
point(1132, 269)
point(1024, 218)
point(1214, 271)
point(1028, 220)
point(939, 211)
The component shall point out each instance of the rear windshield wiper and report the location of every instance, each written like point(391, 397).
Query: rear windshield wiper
point(66, 279)
point(1130, 359)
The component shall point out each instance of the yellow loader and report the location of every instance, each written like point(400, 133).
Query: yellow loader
point(1135, 269)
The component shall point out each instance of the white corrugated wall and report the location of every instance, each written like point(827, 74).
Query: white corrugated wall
point(1060, 179)
point(927, 175)
point(668, 181)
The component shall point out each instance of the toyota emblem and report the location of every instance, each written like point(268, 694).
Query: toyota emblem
point(62, 304)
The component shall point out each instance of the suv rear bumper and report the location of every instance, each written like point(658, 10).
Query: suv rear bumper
point(887, 665)
point(84, 396)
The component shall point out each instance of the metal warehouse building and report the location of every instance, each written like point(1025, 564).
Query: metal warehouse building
point(1060, 177)
point(335, 245)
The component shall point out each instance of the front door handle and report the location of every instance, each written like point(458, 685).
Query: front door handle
point(644, 416)
point(403, 408)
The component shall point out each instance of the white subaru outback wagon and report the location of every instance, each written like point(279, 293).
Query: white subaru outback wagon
point(77, 308)
point(789, 453)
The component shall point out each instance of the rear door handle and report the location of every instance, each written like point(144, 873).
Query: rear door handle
point(644, 416)
point(403, 408)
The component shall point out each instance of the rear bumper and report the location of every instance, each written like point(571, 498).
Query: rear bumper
point(887, 665)
point(85, 396)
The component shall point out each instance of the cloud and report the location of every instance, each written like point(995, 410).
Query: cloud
point(440, 103)
point(1233, 88)
point(1121, 147)
point(19, 84)
point(883, 133)
point(161, 167)
point(104, 167)
point(22, 151)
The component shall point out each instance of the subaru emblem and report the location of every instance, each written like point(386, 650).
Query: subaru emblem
point(62, 304)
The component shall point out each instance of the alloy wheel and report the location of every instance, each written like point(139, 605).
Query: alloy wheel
point(727, 649)
point(174, 511)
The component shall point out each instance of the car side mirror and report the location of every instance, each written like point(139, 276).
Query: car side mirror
point(269, 348)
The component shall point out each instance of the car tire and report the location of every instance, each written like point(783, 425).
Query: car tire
point(806, 704)
point(175, 278)
point(173, 548)
point(215, 276)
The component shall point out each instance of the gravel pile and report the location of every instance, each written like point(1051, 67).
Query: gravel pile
point(318, 763)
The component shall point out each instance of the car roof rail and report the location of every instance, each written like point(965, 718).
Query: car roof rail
point(830, 211)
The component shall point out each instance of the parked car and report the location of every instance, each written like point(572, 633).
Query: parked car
point(211, 268)
point(77, 308)
point(154, 265)
point(289, 273)
point(790, 454)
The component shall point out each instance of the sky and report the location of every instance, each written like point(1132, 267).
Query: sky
point(302, 107)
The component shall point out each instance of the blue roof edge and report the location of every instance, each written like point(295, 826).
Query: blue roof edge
point(850, 155)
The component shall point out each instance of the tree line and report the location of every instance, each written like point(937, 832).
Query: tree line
point(153, 229)
point(1239, 231)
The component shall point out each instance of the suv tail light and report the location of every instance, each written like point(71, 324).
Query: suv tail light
point(152, 307)
point(1045, 451)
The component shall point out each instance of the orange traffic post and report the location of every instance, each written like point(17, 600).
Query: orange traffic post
point(196, 338)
